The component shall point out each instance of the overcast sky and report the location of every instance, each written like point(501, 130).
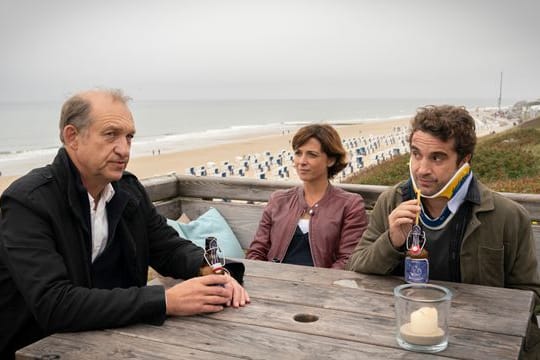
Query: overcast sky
point(176, 49)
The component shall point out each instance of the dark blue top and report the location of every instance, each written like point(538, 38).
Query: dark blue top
point(299, 252)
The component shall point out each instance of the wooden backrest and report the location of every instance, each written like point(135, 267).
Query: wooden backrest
point(241, 200)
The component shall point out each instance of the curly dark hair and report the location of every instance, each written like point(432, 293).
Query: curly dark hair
point(330, 141)
point(447, 122)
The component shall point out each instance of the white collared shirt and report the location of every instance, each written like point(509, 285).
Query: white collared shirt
point(98, 221)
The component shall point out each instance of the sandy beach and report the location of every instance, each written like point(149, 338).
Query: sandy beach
point(231, 151)
point(178, 162)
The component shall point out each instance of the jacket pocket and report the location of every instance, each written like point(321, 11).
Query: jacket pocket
point(491, 263)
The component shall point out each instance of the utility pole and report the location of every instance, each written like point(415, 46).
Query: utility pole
point(500, 92)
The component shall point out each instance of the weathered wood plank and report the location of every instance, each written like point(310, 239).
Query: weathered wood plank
point(255, 190)
point(536, 234)
point(467, 312)
point(171, 209)
point(103, 345)
point(161, 187)
point(369, 329)
point(169, 186)
point(531, 202)
point(352, 323)
point(370, 193)
point(244, 218)
point(238, 339)
point(173, 194)
point(229, 188)
point(374, 296)
point(517, 303)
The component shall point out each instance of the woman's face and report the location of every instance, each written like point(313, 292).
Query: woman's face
point(310, 162)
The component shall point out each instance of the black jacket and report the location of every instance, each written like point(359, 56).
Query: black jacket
point(46, 283)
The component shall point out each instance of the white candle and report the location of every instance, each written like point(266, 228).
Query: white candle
point(424, 321)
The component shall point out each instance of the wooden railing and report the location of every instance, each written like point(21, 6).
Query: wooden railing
point(241, 200)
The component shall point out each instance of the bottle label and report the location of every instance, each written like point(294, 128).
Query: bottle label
point(416, 270)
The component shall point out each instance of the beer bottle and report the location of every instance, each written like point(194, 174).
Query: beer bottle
point(416, 257)
point(212, 255)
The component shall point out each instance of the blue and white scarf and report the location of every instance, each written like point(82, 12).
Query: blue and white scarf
point(455, 191)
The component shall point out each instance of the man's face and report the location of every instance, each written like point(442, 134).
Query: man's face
point(433, 162)
point(101, 151)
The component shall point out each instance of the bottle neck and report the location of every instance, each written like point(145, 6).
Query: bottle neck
point(422, 254)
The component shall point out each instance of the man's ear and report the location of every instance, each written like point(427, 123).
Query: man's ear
point(71, 136)
point(466, 159)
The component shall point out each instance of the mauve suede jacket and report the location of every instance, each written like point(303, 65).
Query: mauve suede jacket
point(45, 258)
point(335, 227)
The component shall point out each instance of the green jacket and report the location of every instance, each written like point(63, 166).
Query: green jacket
point(497, 249)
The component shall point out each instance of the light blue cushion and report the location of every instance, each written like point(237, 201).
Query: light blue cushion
point(211, 223)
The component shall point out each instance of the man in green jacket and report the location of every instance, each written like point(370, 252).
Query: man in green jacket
point(473, 235)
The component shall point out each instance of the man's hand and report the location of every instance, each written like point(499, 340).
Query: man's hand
point(198, 295)
point(240, 296)
point(401, 220)
point(201, 295)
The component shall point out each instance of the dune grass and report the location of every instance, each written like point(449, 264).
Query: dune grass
point(508, 162)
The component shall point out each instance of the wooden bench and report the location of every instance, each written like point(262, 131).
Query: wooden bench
point(241, 201)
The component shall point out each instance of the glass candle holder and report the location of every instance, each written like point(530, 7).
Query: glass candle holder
point(422, 312)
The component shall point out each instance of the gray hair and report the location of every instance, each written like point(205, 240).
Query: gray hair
point(76, 110)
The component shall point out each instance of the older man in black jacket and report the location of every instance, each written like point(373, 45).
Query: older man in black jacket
point(77, 237)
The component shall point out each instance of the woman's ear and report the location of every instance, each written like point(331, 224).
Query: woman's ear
point(330, 162)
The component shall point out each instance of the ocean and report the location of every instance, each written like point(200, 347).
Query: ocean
point(29, 135)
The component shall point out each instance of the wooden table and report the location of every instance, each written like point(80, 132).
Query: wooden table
point(352, 323)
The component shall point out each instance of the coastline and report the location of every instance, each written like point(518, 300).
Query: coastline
point(178, 162)
point(232, 147)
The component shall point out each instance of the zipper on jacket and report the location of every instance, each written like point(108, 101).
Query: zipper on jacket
point(309, 242)
point(282, 256)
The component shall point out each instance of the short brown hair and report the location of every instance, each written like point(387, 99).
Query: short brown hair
point(330, 141)
point(447, 122)
point(76, 110)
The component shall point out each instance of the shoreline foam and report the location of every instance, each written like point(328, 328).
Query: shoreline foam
point(220, 147)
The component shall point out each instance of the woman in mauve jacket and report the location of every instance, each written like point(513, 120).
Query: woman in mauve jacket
point(315, 224)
